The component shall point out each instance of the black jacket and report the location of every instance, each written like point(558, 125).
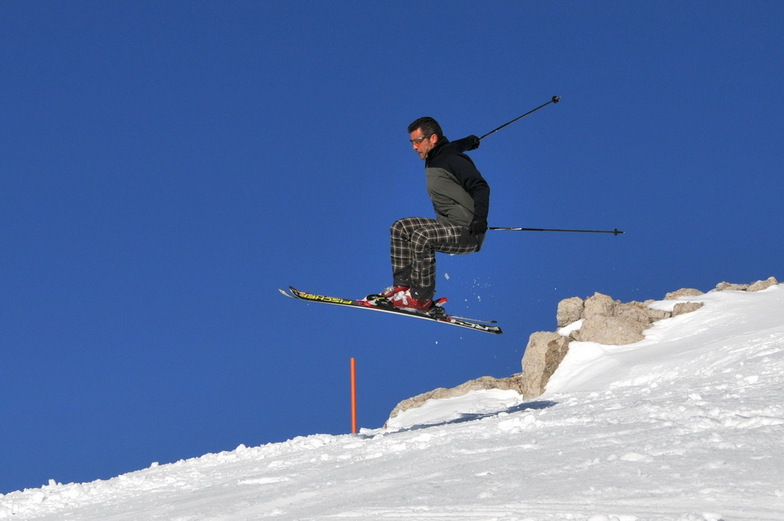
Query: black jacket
point(458, 191)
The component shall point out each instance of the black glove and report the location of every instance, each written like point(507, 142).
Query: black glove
point(478, 226)
point(472, 142)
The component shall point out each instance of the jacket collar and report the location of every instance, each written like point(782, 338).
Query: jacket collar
point(442, 142)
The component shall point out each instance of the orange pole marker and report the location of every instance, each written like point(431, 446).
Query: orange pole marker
point(353, 395)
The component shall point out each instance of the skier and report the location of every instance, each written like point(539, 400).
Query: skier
point(461, 199)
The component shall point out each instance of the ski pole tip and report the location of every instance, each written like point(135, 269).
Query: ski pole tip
point(617, 231)
point(556, 99)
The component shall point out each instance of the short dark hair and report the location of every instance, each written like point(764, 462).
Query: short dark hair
point(428, 125)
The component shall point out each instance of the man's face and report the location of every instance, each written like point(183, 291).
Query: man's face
point(422, 144)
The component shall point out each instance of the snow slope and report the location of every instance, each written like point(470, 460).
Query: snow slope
point(685, 425)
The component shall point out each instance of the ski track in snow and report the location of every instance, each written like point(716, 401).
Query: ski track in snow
point(686, 425)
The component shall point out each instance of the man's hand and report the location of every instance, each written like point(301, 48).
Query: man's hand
point(472, 142)
point(478, 226)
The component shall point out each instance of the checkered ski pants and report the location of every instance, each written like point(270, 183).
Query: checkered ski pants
point(414, 243)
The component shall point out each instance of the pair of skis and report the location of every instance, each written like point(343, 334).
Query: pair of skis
point(437, 314)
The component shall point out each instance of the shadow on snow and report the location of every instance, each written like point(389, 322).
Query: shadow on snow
point(468, 417)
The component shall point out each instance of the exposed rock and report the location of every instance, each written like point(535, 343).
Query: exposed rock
point(599, 304)
point(686, 307)
point(756, 286)
point(683, 292)
point(611, 322)
point(657, 314)
point(513, 383)
point(612, 331)
point(543, 354)
point(569, 310)
point(728, 286)
point(632, 312)
point(763, 284)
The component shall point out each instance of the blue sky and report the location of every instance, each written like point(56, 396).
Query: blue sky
point(167, 166)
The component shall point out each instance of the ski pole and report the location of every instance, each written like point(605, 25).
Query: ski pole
point(616, 231)
point(555, 99)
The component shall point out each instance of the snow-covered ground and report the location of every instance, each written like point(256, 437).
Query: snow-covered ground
point(685, 425)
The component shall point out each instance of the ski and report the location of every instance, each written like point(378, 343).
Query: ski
point(484, 326)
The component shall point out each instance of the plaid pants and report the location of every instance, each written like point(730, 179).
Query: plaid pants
point(414, 243)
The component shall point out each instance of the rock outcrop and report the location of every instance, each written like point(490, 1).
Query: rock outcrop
point(605, 321)
point(485, 382)
point(547, 351)
point(598, 319)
